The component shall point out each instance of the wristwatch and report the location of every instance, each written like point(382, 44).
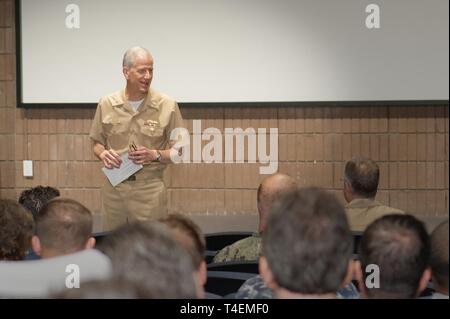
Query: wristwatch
point(158, 156)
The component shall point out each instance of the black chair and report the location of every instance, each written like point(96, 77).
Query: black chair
point(250, 267)
point(356, 239)
point(209, 256)
point(223, 283)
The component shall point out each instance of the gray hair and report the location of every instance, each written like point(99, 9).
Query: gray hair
point(130, 55)
point(146, 253)
point(308, 243)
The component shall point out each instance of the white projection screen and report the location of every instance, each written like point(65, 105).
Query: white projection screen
point(212, 51)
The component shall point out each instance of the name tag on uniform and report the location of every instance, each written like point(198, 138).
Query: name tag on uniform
point(115, 120)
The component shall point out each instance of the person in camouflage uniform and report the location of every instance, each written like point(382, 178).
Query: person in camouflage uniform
point(268, 192)
point(255, 288)
point(243, 250)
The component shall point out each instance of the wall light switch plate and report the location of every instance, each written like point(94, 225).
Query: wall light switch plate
point(28, 168)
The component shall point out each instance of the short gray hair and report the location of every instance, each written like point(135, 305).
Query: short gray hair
point(308, 243)
point(146, 253)
point(130, 55)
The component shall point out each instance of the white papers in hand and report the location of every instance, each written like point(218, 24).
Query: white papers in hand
point(126, 169)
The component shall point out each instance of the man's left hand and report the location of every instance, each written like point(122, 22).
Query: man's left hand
point(142, 155)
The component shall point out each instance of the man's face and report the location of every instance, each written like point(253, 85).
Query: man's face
point(140, 75)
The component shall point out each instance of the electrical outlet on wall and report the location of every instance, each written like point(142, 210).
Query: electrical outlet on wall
point(27, 168)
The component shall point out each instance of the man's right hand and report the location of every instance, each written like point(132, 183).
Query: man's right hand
point(110, 159)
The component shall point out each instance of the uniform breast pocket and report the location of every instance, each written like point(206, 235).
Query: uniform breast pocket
point(116, 133)
point(153, 136)
point(113, 128)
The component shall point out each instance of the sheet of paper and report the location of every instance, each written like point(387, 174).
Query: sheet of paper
point(118, 175)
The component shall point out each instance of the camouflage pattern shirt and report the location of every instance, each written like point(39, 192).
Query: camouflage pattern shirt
point(254, 288)
point(245, 249)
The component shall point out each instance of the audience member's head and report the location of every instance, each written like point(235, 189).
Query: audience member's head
point(439, 258)
point(399, 247)
point(146, 253)
point(307, 246)
point(63, 226)
point(270, 190)
point(35, 198)
point(190, 236)
point(113, 288)
point(361, 179)
point(16, 230)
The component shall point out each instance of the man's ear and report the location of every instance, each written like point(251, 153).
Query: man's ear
point(359, 277)
point(266, 273)
point(125, 72)
point(90, 243)
point(203, 273)
point(36, 245)
point(423, 282)
point(348, 191)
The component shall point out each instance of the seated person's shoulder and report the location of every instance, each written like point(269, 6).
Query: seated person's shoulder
point(254, 288)
point(245, 249)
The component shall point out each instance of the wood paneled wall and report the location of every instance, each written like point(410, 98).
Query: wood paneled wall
point(410, 143)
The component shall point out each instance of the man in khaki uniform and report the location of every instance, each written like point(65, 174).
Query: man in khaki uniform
point(139, 120)
point(360, 188)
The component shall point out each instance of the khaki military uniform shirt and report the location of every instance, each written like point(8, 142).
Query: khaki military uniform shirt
point(117, 125)
point(363, 211)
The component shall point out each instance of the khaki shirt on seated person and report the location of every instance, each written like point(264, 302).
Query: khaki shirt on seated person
point(363, 211)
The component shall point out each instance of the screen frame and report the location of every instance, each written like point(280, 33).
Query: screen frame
point(21, 104)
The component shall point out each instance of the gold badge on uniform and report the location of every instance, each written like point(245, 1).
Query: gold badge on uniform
point(152, 124)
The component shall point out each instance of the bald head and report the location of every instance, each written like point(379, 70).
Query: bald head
point(131, 54)
point(269, 191)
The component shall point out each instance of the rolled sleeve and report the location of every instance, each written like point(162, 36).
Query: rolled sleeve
point(96, 133)
point(175, 123)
